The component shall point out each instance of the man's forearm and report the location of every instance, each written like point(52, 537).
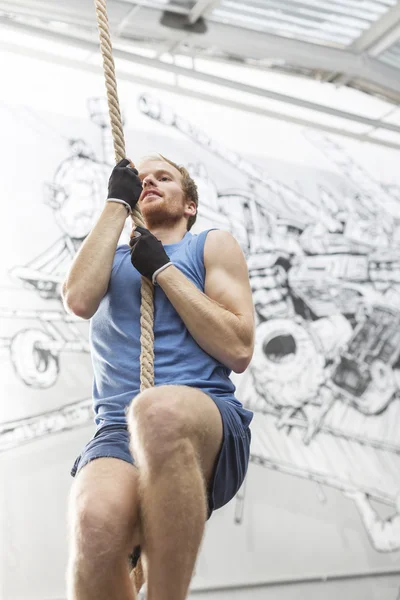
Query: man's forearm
point(89, 274)
point(217, 331)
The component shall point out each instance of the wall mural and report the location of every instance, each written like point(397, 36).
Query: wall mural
point(325, 275)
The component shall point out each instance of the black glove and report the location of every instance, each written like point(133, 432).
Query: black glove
point(147, 252)
point(124, 184)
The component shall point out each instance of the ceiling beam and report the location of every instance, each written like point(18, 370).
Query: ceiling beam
point(154, 5)
point(186, 91)
point(92, 46)
point(126, 20)
point(302, 54)
point(243, 43)
point(381, 35)
point(201, 8)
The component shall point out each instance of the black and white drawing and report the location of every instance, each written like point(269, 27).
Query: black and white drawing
point(384, 533)
point(75, 196)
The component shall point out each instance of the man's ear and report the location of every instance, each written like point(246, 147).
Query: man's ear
point(191, 206)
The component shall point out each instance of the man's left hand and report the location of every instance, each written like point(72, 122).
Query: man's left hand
point(147, 252)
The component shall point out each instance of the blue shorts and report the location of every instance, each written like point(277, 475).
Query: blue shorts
point(112, 441)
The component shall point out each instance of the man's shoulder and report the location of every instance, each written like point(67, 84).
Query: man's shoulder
point(221, 246)
point(219, 238)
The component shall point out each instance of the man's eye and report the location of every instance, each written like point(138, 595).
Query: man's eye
point(165, 178)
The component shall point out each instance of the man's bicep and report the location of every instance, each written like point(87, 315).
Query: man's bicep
point(227, 278)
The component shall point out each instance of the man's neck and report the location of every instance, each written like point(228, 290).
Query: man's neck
point(169, 235)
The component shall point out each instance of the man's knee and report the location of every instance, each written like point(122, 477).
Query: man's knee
point(159, 421)
point(175, 419)
point(158, 409)
point(99, 545)
point(103, 523)
point(97, 536)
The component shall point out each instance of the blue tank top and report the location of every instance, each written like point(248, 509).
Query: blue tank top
point(115, 338)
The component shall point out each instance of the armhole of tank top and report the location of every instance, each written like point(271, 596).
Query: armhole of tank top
point(117, 258)
point(201, 242)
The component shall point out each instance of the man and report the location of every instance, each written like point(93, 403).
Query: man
point(167, 457)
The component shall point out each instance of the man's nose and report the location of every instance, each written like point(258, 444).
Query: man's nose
point(149, 180)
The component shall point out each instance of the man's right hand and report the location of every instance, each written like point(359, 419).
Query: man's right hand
point(124, 183)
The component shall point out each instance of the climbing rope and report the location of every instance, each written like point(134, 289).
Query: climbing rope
point(147, 290)
point(147, 307)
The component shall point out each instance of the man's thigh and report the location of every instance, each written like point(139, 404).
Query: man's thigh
point(209, 427)
point(222, 440)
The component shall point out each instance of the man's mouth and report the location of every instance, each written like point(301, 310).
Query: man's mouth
point(150, 193)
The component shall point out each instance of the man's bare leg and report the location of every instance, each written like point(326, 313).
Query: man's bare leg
point(102, 525)
point(176, 437)
point(173, 521)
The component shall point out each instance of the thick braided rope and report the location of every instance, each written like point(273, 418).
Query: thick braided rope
point(147, 305)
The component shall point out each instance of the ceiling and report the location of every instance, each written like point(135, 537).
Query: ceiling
point(351, 44)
